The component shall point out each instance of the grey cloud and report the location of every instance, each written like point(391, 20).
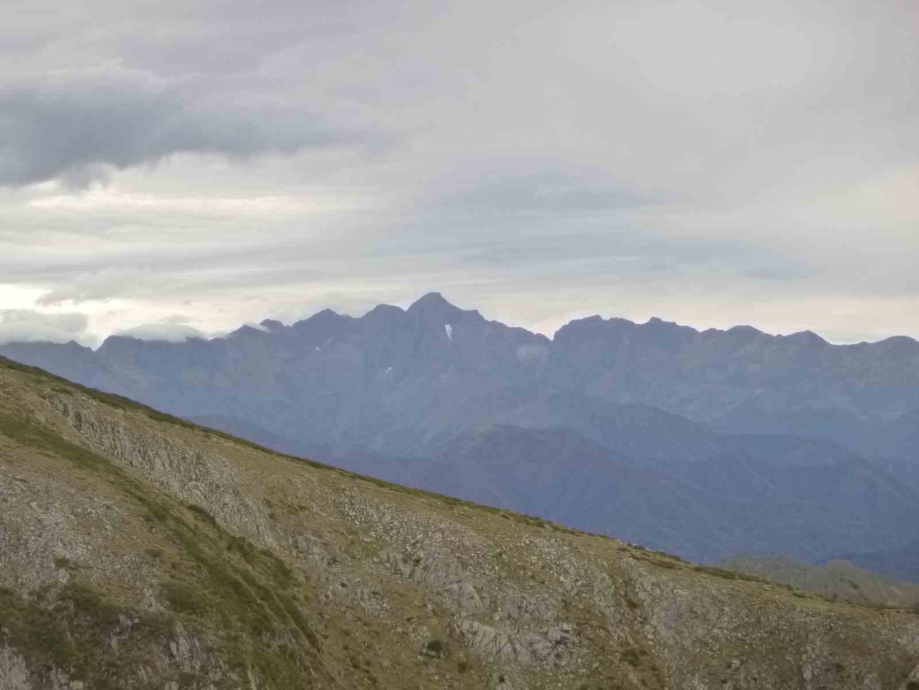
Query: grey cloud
point(693, 160)
point(163, 331)
point(535, 195)
point(176, 320)
point(26, 325)
point(248, 324)
point(81, 124)
point(101, 285)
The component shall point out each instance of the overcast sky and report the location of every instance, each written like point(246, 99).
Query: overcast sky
point(191, 166)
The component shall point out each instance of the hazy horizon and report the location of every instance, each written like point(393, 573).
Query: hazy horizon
point(177, 332)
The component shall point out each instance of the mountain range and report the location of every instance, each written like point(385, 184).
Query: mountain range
point(704, 444)
point(139, 551)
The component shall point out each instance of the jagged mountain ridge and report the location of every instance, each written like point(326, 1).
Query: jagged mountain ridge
point(400, 393)
point(141, 551)
point(740, 379)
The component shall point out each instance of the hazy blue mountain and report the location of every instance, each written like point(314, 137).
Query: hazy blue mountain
point(394, 379)
point(900, 563)
point(703, 443)
point(634, 430)
point(559, 475)
point(808, 499)
point(250, 432)
point(740, 378)
point(70, 360)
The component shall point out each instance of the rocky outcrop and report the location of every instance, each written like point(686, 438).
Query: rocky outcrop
point(201, 478)
point(14, 674)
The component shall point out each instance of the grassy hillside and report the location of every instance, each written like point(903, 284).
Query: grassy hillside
point(139, 551)
point(836, 578)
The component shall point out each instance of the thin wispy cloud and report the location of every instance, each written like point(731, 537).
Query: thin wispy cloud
point(26, 325)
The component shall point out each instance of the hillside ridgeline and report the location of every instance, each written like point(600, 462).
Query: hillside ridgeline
point(141, 551)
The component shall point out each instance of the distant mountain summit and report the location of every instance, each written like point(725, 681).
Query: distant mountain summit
point(722, 431)
point(434, 306)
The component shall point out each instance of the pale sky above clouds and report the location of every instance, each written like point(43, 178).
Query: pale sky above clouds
point(185, 167)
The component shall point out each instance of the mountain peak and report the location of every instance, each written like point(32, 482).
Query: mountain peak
point(434, 306)
point(807, 339)
point(744, 333)
point(324, 317)
point(431, 299)
point(326, 314)
point(384, 310)
point(901, 344)
point(118, 339)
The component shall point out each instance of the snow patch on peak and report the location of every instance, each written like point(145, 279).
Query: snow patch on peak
point(449, 329)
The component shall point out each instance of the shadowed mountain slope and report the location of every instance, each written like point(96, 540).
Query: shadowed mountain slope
point(901, 563)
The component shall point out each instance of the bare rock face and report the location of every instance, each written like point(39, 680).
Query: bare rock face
point(138, 552)
point(14, 674)
point(190, 474)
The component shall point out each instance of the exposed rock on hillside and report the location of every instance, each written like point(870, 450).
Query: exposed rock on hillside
point(137, 551)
